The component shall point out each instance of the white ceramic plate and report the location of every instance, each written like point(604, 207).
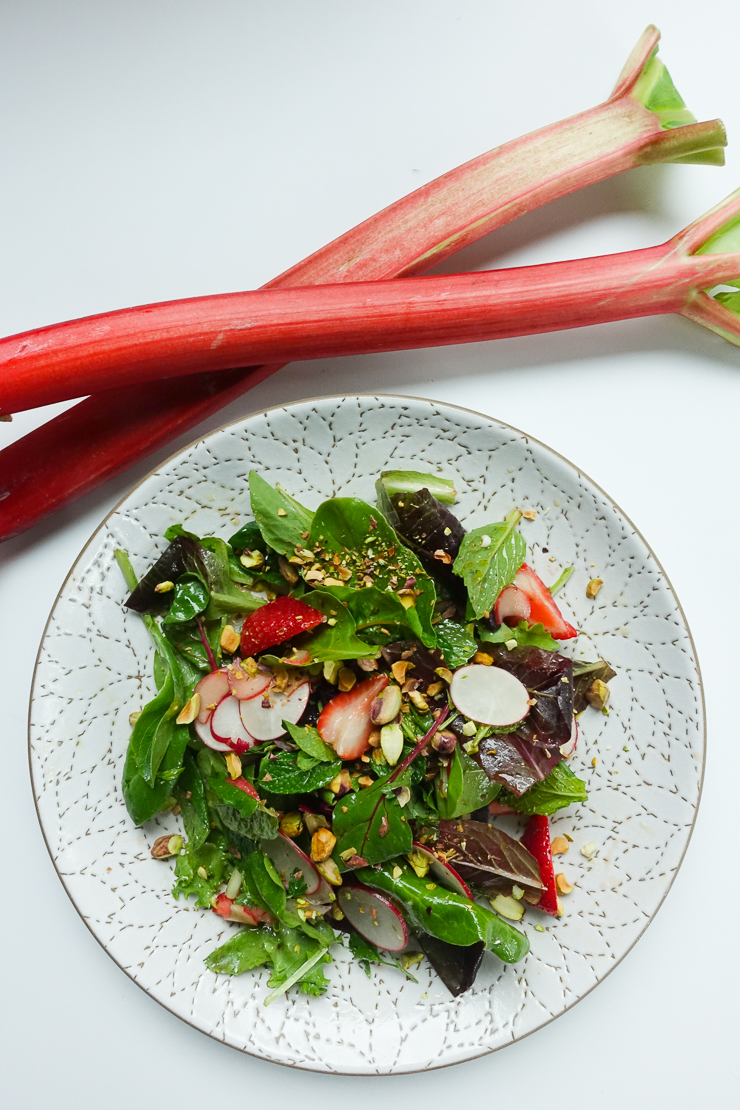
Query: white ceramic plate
point(94, 668)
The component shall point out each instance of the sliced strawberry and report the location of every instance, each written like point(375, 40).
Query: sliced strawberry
point(345, 721)
point(543, 609)
point(245, 915)
point(536, 840)
point(247, 787)
point(223, 905)
point(275, 622)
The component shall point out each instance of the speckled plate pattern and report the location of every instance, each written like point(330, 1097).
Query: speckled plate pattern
point(94, 668)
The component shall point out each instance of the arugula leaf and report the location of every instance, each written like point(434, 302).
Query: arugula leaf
point(455, 643)
point(524, 634)
point(211, 860)
point(363, 539)
point(281, 519)
point(338, 640)
point(190, 793)
point(308, 740)
point(284, 775)
point(372, 823)
point(294, 951)
point(561, 788)
point(488, 560)
point(462, 786)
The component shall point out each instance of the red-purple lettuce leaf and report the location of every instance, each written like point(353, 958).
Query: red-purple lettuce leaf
point(515, 763)
point(488, 857)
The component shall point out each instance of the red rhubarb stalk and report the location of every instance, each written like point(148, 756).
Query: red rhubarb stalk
point(105, 434)
point(136, 345)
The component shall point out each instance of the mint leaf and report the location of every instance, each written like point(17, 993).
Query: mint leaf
point(524, 634)
point(561, 788)
point(487, 568)
point(282, 519)
point(309, 741)
point(284, 775)
point(455, 644)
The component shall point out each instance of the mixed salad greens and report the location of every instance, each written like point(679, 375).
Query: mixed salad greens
point(346, 700)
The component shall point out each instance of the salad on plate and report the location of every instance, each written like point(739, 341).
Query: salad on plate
point(351, 704)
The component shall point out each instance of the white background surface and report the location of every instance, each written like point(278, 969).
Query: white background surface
point(154, 150)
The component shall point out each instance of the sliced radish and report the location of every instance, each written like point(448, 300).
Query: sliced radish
point(489, 695)
point(212, 688)
point(445, 875)
point(374, 917)
point(512, 606)
point(288, 858)
point(265, 722)
point(322, 896)
point(567, 749)
point(227, 728)
point(245, 686)
point(203, 730)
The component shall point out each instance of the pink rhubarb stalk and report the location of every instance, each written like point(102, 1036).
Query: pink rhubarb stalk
point(643, 121)
point(136, 345)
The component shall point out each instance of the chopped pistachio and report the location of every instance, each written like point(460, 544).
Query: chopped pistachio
point(562, 883)
point(597, 694)
point(419, 863)
point(189, 711)
point(507, 907)
point(593, 587)
point(164, 587)
point(322, 845)
point(469, 728)
point(391, 743)
point(291, 824)
point(588, 850)
point(559, 845)
point(230, 638)
point(233, 765)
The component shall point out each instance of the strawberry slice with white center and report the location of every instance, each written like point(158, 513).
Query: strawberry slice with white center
point(345, 721)
point(543, 609)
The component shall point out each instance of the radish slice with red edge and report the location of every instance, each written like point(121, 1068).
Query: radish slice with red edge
point(266, 722)
point(245, 686)
point(567, 749)
point(203, 730)
point(374, 916)
point(288, 858)
point(227, 728)
point(212, 688)
point(445, 875)
point(489, 695)
point(512, 606)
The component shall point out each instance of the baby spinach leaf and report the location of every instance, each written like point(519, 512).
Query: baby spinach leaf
point(284, 776)
point(338, 640)
point(189, 599)
point(462, 786)
point(561, 788)
point(309, 741)
point(368, 547)
point(151, 733)
point(524, 634)
point(142, 800)
point(455, 644)
point(372, 823)
point(488, 560)
point(259, 871)
point(189, 790)
point(210, 859)
point(281, 519)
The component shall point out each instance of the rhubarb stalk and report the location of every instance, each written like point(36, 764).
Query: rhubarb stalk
point(136, 345)
point(643, 121)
